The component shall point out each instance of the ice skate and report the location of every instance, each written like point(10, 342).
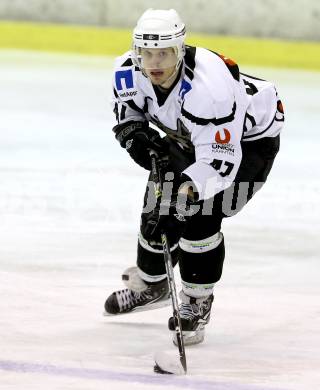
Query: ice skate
point(140, 297)
point(194, 314)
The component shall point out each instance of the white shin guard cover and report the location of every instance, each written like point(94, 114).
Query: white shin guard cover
point(201, 246)
point(150, 278)
point(197, 290)
point(136, 280)
point(133, 281)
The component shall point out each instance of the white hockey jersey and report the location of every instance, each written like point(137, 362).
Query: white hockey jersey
point(212, 109)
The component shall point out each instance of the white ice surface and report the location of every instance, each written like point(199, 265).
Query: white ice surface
point(70, 200)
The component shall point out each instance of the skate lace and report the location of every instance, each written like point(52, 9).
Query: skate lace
point(191, 311)
point(128, 298)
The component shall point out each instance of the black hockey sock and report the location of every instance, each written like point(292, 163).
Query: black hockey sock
point(151, 261)
point(201, 266)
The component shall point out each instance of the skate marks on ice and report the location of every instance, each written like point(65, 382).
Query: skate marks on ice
point(109, 375)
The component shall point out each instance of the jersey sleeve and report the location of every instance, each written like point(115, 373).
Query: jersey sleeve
point(265, 115)
point(127, 102)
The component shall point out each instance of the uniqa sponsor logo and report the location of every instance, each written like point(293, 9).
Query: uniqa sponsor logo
point(223, 139)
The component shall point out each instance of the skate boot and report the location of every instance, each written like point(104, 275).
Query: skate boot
point(139, 295)
point(194, 314)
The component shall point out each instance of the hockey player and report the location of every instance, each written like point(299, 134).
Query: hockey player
point(220, 133)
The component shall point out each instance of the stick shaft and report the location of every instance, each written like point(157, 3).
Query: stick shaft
point(174, 300)
point(156, 176)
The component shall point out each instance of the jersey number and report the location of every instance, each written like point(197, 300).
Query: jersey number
point(226, 167)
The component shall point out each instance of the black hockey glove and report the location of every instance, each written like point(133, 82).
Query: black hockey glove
point(170, 218)
point(138, 139)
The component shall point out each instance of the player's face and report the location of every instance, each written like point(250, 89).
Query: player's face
point(159, 64)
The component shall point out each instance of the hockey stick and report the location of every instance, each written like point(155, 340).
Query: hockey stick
point(163, 364)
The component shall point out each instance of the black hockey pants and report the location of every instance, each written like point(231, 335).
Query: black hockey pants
point(206, 267)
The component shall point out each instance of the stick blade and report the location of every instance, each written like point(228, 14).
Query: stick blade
point(157, 369)
point(167, 363)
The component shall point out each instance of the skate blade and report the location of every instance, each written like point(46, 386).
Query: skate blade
point(191, 337)
point(152, 306)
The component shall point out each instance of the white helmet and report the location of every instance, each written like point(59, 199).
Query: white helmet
point(158, 29)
